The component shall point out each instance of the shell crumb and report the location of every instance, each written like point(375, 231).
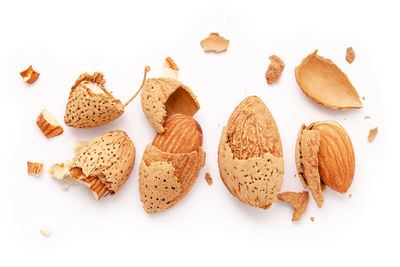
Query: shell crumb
point(312, 219)
point(208, 178)
point(350, 195)
point(46, 231)
point(214, 43)
point(372, 134)
point(350, 54)
point(274, 70)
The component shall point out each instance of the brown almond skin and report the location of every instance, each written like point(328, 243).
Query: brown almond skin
point(335, 156)
point(182, 134)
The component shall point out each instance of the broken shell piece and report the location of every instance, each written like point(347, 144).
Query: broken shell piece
point(208, 178)
point(34, 168)
point(105, 163)
point(29, 75)
point(274, 70)
point(322, 81)
point(48, 124)
point(60, 171)
point(78, 145)
point(45, 231)
point(299, 201)
point(170, 69)
point(214, 43)
point(163, 97)
point(91, 105)
point(372, 134)
point(350, 54)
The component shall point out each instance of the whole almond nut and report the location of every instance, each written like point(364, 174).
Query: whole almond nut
point(333, 157)
point(171, 164)
point(250, 154)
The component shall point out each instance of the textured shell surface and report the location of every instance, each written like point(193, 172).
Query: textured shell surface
point(250, 154)
point(109, 157)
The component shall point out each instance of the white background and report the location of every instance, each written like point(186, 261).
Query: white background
point(208, 227)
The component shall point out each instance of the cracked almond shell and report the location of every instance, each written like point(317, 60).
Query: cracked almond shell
point(105, 163)
point(322, 81)
point(90, 104)
point(165, 178)
point(171, 164)
point(250, 157)
point(163, 97)
point(325, 155)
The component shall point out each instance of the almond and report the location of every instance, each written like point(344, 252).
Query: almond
point(322, 81)
point(105, 163)
point(182, 134)
point(328, 158)
point(48, 124)
point(91, 105)
point(250, 154)
point(171, 164)
point(163, 97)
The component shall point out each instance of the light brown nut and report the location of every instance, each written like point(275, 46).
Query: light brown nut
point(171, 165)
point(182, 134)
point(29, 75)
point(299, 201)
point(274, 70)
point(350, 55)
point(372, 134)
point(34, 168)
point(91, 105)
point(208, 178)
point(163, 97)
point(214, 43)
point(322, 81)
point(48, 124)
point(250, 154)
point(334, 162)
point(105, 163)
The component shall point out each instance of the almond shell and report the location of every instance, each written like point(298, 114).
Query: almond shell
point(109, 158)
point(322, 81)
point(165, 178)
point(162, 97)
